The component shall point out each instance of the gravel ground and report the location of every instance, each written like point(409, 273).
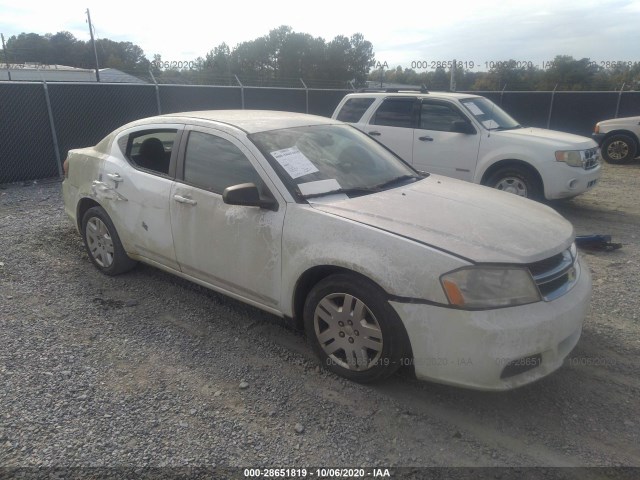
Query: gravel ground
point(146, 369)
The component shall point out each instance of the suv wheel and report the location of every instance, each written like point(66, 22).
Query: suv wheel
point(619, 149)
point(517, 180)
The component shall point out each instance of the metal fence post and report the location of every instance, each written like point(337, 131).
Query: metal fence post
point(241, 90)
point(52, 126)
point(502, 93)
point(553, 94)
point(619, 98)
point(306, 92)
point(157, 92)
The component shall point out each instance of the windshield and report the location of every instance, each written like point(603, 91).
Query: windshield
point(322, 159)
point(490, 115)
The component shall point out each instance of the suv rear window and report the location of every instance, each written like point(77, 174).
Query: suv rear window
point(353, 109)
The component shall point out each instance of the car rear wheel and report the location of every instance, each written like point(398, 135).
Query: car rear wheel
point(517, 180)
point(353, 329)
point(619, 149)
point(103, 243)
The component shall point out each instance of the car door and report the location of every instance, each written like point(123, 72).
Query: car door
point(234, 248)
point(393, 123)
point(134, 187)
point(437, 149)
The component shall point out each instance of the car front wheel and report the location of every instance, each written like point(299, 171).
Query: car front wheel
point(353, 329)
point(619, 149)
point(103, 243)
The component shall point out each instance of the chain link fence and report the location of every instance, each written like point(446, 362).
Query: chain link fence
point(40, 121)
point(27, 140)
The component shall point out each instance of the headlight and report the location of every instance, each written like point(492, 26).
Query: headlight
point(575, 158)
point(489, 287)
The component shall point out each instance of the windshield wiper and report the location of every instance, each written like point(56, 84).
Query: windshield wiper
point(388, 183)
point(346, 191)
point(509, 128)
point(363, 190)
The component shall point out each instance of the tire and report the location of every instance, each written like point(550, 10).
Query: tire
point(517, 180)
point(103, 243)
point(364, 351)
point(619, 149)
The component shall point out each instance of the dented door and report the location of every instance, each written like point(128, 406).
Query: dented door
point(137, 199)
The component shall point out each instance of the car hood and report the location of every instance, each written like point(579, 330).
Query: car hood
point(474, 222)
point(553, 138)
point(625, 121)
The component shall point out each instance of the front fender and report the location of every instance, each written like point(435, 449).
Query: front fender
point(400, 266)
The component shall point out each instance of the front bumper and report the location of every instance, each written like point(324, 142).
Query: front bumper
point(564, 181)
point(483, 349)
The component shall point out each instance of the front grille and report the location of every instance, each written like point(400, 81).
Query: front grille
point(591, 158)
point(545, 265)
point(555, 275)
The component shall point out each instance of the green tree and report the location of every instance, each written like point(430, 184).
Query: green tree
point(569, 74)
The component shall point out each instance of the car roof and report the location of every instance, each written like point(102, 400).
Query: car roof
point(251, 121)
point(416, 93)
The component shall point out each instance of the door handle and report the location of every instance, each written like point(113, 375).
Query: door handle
point(185, 200)
point(426, 138)
point(375, 134)
point(115, 177)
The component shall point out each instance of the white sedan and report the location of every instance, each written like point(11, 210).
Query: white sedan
point(308, 218)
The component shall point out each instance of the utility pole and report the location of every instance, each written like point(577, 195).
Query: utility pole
point(452, 83)
point(95, 52)
point(6, 55)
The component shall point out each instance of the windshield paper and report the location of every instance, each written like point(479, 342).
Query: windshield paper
point(294, 162)
point(473, 108)
point(320, 186)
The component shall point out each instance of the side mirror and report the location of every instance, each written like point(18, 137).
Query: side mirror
point(460, 126)
point(247, 194)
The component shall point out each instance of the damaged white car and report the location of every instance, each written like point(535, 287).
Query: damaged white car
point(308, 218)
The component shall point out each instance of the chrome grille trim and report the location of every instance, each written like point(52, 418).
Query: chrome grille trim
point(560, 274)
point(591, 158)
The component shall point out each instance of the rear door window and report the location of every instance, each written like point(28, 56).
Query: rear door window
point(151, 149)
point(353, 109)
point(397, 112)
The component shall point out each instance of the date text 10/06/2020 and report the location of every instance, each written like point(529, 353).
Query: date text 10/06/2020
point(317, 472)
point(491, 64)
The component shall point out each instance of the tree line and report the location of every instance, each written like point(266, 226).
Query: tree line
point(281, 55)
point(284, 56)
point(63, 48)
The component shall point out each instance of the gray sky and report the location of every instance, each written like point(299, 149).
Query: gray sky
point(474, 31)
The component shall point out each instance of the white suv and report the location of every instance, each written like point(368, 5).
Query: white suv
point(619, 139)
point(471, 138)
